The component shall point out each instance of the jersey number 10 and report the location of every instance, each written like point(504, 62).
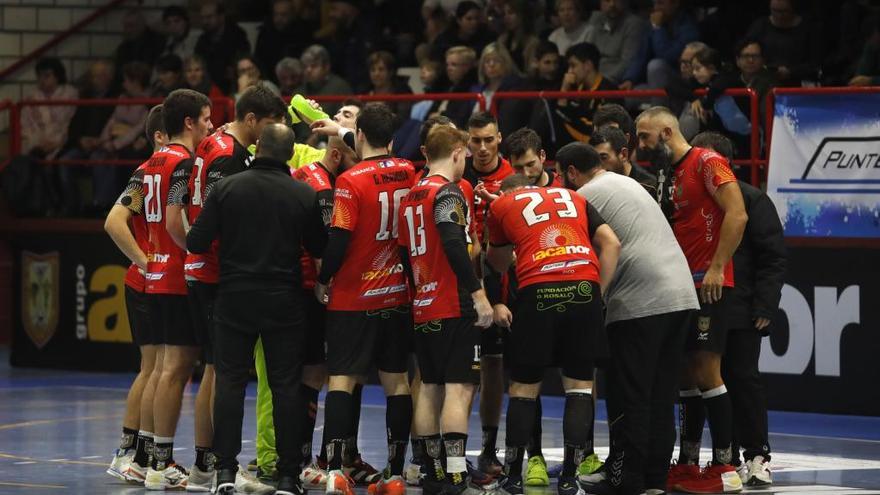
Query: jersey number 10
point(389, 211)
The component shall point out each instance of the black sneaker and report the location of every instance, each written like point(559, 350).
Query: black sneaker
point(226, 481)
point(603, 487)
point(488, 463)
point(568, 485)
point(514, 485)
point(289, 485)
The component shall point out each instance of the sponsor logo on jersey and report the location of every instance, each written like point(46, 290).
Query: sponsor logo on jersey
point(432, 286)
point(383, 272)
point(563, 264)
point(155, 276)
point(159, 258)
point(381, 291)
point(39, 289)
point(560, 251)
point(362, 171)
point(194, 266)
point(420, 303)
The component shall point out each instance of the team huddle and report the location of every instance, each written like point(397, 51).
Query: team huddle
point(317, 271)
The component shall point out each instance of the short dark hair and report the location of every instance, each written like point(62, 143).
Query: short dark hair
point(480, 120)
point(464, 7)
point(52, 64)
point(715, 141)
point(521, 141)
point(180, 104)
point(175, 11)
point(584, 52)
point(429, 124)
point(261, 101)
point(154, 123)
point(514, 181)
point(709, 57)
point(581, 156)
point(743, 43)
point(169, 63)
point(355, 102)
point(613, 113)
point(545, 47)
point(611, 135)
point(138, 71)
point(376, 121)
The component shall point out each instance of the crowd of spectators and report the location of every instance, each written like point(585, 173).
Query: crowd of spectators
point(344, 47)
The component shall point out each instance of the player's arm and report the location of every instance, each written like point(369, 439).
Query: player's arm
point(342, 224)
point(130, 202)
point(206, 228)
point(728, 196)
point(325, 206)
point(178, 197)
point(606, 243)
point(315, 232)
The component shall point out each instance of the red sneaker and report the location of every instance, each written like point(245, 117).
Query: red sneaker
point(391, 486)
point(719, 478)
point(339, 484)
point(361, 472)
point(679, 473)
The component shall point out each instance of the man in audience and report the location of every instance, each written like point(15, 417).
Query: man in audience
point(792, 46)
point(139, 42)
point(319, 80)
point(279, 37)
point(462, 73)
point(618, 34)
point(573, 27)
point(221, 43)
point(181, 39)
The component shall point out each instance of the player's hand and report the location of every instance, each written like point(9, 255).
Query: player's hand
point(569, 81)
point(710, 292)
point(484, 194)
point(502, 315)
point(626, 85)
point(321, 293)
point(326, 127)
point(484, 309)
point(762, 323)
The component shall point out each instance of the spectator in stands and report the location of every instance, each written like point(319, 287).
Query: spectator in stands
point(519, 33)
point(671, 29)
point(753, 74)
point(353, 39)
point(436, 23)
point(868, 68)
point(169, 75)
point(468, 29)
point(84, 134)
point(680, 87)
point(122, 137)
point(432, 75)
point(618, 34)
point(289, 74)
point(197, 79)
point(284, 35)
point(319, 80)
point(44, 128)
point(498, 73)
point(546, 75)
point(574, 117)
point(249, 74)
point(221, 43)
point(792, 45)
point(181, 39)
point(714, 111)
point(461, 71)
point(573, 28)
point(385, 81)
point(139, 42)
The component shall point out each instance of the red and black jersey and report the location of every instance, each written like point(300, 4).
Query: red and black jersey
point(134, 277)
point(550, 229)
point(554, 178)
point(218, 155)
point(153, 186)
point(697, 219)
point(366, 203)
point(467, 189)
point(492, 181)
point(321, 180)
point(438, 293)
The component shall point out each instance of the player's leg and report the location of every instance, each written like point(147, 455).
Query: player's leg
point(525, 384)
point(137, 469)
point(314, 375)
point(201, 302)
point(491, 395)
point(426, 434)
point(355, 466)
point(391, 355)
point(412, 474)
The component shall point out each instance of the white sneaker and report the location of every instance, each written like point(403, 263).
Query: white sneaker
point(173, 477)
point(246, 482)
point(413, 475)
point(759, 472)
point(134, 473)
point(120, 462)
point(743, 471)
point(201, 481)
point(313, 475)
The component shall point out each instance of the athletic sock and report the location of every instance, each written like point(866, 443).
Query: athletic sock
point(456, 466)
point(520, 421)
point(144, 448)
point(433, 468)
point(591, 423)
point(490, 439)
point(534, 446)
point(419, 454)
point(691, 416)
point(576, 419)
point(311, 396)
point(356, 396)
point(163, 453)
point(720, 414)
point(129, 439)
point(398, 420)
point(204, 459)
point(337, 411)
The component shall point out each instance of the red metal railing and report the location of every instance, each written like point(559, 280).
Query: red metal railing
point(12, 110)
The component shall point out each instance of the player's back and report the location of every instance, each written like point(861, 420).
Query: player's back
point(549, 230)
point(165, 259)
point(366, 203)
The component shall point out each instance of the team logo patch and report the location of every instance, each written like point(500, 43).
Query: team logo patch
point(341, 216)
point(704, 323)
point(39, 296)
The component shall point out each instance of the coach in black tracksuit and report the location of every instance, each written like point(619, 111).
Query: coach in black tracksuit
point(759, 271)
point(262, 217)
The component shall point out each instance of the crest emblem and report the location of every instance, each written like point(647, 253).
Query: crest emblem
point(39, 296)
point(703, 323)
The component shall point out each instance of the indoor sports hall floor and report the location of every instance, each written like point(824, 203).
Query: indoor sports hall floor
point(58, 430)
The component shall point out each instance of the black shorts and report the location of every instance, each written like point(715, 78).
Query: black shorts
point(171, 317)
point(316, 329)
point(558, 325)
point(448, 351)
point(709, 326)
point(138, 310)
point(359, 340)
point(201, 297)
point(492, 341)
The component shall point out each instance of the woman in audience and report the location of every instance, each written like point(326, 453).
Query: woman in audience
point(384, 81)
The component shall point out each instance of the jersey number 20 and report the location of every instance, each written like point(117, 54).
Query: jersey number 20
point(153, 200)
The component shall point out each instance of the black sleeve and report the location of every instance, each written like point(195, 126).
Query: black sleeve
point(325, 204)
point(455, 247)
point(223, 166)
point(492, 283)
point(337, 245)
point(178, 188)
point(348, 139)
point(594, 220)
point(206, 228)
point(767, 239)
point(315, 231)
point(407, 266)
